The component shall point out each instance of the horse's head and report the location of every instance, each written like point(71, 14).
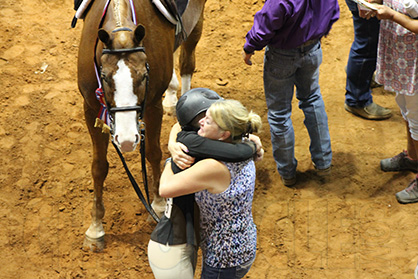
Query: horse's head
point(124, 75)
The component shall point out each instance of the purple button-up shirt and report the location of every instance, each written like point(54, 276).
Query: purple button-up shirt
point(288, 24)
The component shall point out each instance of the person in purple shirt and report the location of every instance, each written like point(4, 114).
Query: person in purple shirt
point(291, 31)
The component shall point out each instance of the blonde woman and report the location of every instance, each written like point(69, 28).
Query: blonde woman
point(224, 192)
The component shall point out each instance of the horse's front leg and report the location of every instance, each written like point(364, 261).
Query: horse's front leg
point(170, 96)
point(154, 154)
point(187, 58)
point(94, 236)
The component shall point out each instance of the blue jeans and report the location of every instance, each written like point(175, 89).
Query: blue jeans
point(238, 272)
point(284, 69)
point(362, 59)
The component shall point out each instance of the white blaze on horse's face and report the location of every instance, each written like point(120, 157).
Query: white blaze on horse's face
point(126, 134)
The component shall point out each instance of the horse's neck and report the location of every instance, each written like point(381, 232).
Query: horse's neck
point(119, 14)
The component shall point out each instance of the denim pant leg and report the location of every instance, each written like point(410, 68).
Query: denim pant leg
point(237, 272)
point(311, 103)
point(279, 80)
point(362, 59)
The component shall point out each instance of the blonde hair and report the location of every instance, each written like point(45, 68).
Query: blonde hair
point(232, 116)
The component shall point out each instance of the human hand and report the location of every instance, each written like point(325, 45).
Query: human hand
point(247, 57)
point(365, 12)
point(260, 151)
point(384, 12)
point(180, 158)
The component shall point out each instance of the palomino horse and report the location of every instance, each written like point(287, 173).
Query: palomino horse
point(133, 51)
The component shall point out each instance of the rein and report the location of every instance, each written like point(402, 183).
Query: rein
point(107, 118)
point(132, 179)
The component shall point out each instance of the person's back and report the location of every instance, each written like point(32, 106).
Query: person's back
point(291, 23)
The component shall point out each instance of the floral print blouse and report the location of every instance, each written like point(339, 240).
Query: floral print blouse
point(228, 233)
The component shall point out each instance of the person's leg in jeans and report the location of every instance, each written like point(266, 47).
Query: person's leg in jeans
point(237, 272)
point(279, 77)
point(311, 103)
point(243, 269)
point(209, 272)
point(361, 66)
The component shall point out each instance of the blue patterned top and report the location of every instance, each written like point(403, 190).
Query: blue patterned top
point(228, 233)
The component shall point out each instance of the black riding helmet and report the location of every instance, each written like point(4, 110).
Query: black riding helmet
point(192, 103)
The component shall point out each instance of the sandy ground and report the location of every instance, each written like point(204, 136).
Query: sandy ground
point(346, 226)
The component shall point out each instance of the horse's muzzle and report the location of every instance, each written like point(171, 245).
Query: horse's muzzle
point(126, 145)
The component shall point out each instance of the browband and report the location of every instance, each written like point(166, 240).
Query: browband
point(135, 49)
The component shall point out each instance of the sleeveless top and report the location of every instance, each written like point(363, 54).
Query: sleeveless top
point(397, 60)
point(180, 222)
point(227, 230)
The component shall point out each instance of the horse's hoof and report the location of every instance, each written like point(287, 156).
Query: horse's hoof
point(94, 244)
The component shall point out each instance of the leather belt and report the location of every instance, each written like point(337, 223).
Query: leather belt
point(310, 42)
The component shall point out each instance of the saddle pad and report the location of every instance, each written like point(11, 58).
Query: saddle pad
point(171, 9)
point(81, 7)
point(181, 6)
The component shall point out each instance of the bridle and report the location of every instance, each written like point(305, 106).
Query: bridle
point(138, 108)
point(106, 111)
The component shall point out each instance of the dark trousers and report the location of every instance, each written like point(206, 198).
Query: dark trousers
point(362, 59)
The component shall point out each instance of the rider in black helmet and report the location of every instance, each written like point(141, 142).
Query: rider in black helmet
point(191, 104)
point(178, 227)
point(186, 146)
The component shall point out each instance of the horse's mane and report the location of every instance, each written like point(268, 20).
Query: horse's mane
point(118, 12)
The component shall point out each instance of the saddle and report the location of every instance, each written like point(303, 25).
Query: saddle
point(81, 7)
point(77, 4)
point(171, 9)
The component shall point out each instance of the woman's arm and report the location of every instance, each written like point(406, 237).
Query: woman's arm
point(207, 174)
point(384, 12)
point(178, 150)
point(201, 148)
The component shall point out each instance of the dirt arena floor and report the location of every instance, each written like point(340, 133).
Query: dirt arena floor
point(348, 225)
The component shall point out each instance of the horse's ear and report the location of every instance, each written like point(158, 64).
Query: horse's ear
point(139, 33)
point(104, 36)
